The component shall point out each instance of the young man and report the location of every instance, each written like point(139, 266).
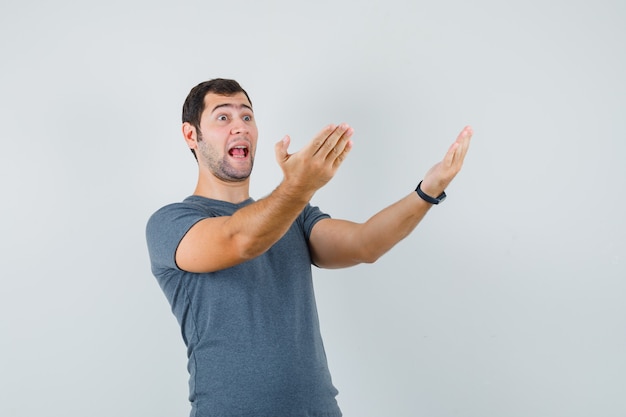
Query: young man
point(237, 272)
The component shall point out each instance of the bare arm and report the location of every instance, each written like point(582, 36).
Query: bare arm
point(221, 242)
point(340, 243)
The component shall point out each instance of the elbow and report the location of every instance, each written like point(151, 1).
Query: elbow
point(369, 260)
point(370, 253)
point(249, 248)
point(369, 256)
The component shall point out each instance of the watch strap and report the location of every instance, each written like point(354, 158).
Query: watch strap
point(427, 198)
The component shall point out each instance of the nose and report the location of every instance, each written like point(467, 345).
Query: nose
point(239, 127)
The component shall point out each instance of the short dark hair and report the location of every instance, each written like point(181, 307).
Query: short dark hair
point(194, 103)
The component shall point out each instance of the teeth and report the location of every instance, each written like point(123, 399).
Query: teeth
point(239, 151)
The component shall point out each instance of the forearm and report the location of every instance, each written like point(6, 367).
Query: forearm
point(338, 243)
point(258, 226)
point(216, 243)
point(389, 226)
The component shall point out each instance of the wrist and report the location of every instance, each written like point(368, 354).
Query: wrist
point(429, 198)
point(294, 193)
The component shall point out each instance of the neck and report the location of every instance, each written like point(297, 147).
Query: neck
point(212, 187)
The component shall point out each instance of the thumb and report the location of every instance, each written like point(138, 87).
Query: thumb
point(281, 149)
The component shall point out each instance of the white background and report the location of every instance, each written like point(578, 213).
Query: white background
point(507, 301)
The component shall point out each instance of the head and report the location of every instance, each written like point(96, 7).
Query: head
point(220, 130)
point(194, 103)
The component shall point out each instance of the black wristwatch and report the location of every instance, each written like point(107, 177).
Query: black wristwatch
point(429, 199)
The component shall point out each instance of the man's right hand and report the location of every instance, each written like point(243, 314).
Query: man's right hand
point(313, 166)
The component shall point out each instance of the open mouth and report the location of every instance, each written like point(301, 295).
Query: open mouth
point(238, 152)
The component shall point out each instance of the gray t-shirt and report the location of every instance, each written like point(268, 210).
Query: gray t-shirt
point(252, 330)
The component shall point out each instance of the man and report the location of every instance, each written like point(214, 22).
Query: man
point(237, 272)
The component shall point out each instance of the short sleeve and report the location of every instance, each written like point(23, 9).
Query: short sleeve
point(164, 231)
point(309, 217)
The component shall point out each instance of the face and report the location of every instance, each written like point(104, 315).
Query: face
point(227, 137)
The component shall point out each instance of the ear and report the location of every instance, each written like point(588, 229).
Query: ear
point(190, 135)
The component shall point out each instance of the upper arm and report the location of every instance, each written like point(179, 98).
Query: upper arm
point(208, 247)
point(336, 243)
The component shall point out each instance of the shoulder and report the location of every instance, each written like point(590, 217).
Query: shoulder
point(171, 210)
point(175, 219)
point(167, 226)
point(190, 207)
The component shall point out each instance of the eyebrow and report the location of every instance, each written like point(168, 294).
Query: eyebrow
point(233, 106)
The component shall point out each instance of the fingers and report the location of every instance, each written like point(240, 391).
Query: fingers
point(281, 149)
point(464, 140)
point(336, 143)
point(331, 142)
point(337, 146)
point(341, 155)
point(457, 151)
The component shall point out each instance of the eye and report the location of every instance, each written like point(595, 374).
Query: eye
point(247, 118)
point(222, 117)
